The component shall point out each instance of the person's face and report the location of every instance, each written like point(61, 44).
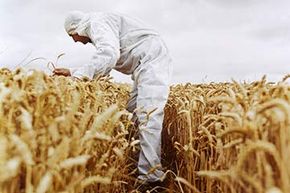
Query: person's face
point(83, 39)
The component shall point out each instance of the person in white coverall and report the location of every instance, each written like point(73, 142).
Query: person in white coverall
point(126, 45)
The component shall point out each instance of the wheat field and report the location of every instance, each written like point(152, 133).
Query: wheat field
point(63, 135)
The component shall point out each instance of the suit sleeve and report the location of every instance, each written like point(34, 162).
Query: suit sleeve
point(105, 37)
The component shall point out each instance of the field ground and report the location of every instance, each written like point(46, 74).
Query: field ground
point(71, 136)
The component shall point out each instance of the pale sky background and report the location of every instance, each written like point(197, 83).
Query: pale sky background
point(209, 40)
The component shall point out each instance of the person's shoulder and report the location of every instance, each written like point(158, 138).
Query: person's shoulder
point(104, 14)
point(102, 18)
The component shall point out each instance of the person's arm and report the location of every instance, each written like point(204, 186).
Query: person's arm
point(105, 38)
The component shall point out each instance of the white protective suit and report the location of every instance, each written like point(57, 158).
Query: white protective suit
point(126, 45)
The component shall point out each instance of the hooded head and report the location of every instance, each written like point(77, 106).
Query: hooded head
point(76, 22)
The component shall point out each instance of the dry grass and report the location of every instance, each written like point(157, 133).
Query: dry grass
point(229, 137)
point(62, 135)
point(70, 136)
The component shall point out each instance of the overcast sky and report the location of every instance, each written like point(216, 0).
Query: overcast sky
point(209, 40)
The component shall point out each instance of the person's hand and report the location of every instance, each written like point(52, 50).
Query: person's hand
point(61, 72)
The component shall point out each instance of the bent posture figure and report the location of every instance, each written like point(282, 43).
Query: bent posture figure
point(126, 45)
